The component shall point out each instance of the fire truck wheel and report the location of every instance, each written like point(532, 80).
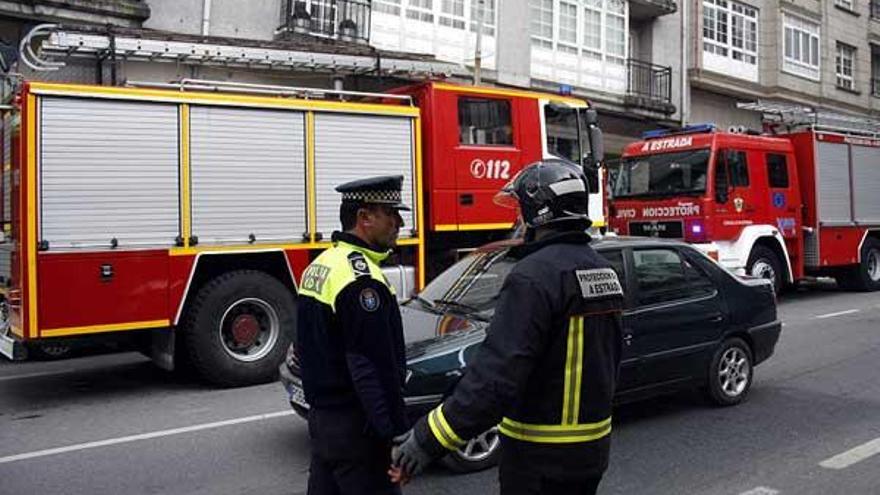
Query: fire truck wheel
point(866, 275)
point(239, 327)
point(763, 263)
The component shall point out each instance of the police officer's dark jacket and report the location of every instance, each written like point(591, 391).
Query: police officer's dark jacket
point(547, 370)
point(350, 337)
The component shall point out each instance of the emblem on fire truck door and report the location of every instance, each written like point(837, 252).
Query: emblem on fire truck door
point(491, 169)
point(738, 204)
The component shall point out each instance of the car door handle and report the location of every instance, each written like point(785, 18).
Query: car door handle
point(627, 339)
point(716, 318)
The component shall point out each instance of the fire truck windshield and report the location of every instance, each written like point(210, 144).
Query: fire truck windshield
point(664, 174)
point(565, 138)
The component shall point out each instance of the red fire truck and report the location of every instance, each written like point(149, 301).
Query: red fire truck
point(183, 214)
point(784, 207)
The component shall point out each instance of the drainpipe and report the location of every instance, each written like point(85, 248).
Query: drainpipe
point(206, 17)
point(685, 41)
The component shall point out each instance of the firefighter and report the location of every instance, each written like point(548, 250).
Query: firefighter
point(546, 373)
point(350, 345)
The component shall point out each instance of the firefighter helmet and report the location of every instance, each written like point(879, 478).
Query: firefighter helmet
point(546, 192)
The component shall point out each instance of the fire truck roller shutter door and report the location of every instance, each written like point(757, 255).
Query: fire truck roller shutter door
point(248, 175)
point(349, 147)
point(833, 183)
point(866, 184)
point(108, 170)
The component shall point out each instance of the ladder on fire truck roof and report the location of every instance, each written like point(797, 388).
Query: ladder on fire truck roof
point(268, 89)
point(57, 43)
point(794, 116)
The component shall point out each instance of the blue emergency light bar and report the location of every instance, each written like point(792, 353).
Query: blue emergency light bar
point(688, 129)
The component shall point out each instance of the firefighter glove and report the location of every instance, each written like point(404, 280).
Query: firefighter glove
point(409, 454)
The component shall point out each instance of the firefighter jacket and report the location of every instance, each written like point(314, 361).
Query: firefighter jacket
point(547, 370)
point(350, 337)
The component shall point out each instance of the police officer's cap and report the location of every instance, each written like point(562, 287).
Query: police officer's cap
point(381, 190)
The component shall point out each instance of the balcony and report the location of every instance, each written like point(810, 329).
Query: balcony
point(649, 86)
point(344, 20)
point(641, 10)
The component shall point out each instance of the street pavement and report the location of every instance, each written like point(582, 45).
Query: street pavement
point(115, 424)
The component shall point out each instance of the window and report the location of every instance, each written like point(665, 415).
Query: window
point(593, 27)
point(615, 257)
point(568, 27)
point(421, 10)
point(615, 31)
point(663, 174)
point(387, 6)
point(738, 168)
point(484, 121)
point(663, 275)
point(452, 13)
point(846, 54)
point(488, 16)
point(846, 4)
point(777, 170)
point(801, 47)
point(541, 12)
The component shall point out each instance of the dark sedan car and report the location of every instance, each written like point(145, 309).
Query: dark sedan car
point(688, 323)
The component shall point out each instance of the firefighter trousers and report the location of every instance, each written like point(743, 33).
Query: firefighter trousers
point(522, 474)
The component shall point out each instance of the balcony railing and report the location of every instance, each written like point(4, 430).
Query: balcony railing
point(347, 20)
point(875, 9)
point(649, 86)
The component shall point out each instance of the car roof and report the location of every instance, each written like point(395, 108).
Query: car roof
point(598, 243)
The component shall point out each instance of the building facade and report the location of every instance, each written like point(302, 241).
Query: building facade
point(824, 54)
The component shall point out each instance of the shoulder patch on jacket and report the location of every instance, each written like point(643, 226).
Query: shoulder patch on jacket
point(359, 265)
point(369, 300)
point(598, 282)
point(314, 277)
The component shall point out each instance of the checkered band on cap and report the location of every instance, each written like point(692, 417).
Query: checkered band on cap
point(381, 197)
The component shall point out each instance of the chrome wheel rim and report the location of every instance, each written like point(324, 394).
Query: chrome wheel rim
point(872, 263)
point(480, 447)
point(734, 371)
point(249, 329)
point(764, 269)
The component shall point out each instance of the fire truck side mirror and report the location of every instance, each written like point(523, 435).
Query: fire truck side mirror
point(597, 145)
point(591, 117)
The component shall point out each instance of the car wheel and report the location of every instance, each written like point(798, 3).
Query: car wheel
point(481, 452)
point(866, 275)
point(730, 373)
point(764, 263)
point(239, 327)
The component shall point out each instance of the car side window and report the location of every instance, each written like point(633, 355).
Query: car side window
point(615, 257)
point(484, 121)
point(664, 276)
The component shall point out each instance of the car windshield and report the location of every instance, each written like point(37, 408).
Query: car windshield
point(664, 174)
point(470, 286)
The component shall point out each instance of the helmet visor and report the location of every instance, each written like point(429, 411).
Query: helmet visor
point(506, 197)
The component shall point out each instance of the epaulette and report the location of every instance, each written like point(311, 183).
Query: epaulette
point(358, 264)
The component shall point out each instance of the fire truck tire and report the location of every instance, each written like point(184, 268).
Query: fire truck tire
point(866, 275)
point(238, 328)
point(764, 263)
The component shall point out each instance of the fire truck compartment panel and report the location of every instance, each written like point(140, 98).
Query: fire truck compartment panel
point(866, 184)
point(833, 183)
point(109, 170)
point(349, 147)
point(76, 291)
point(248, 169)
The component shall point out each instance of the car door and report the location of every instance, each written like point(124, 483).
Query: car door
point(678, 314)
point(629, 362)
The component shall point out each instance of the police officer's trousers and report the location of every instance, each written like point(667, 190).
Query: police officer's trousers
point(346, 460)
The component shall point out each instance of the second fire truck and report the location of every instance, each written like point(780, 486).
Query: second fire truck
point(784, 207)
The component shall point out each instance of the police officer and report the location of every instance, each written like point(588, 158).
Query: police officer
point(547, 370)
point(350, 345)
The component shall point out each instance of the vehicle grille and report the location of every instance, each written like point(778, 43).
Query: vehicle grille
point(673, 230)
